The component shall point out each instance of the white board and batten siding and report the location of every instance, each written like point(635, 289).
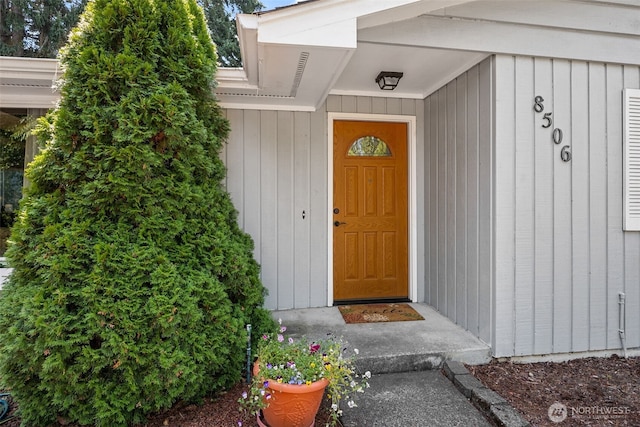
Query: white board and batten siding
point(458, 226)
point(561, 255)
point(277, 177)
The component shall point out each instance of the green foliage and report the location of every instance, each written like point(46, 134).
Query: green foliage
point(36, 28)
point(12, 143)
point(132, 281)
point(220, 15)
point(39, 28)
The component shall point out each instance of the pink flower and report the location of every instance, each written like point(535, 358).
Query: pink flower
point(314, 347)
point(280, 338)
point(283, 328)
point(290, 340)
point(265, 337)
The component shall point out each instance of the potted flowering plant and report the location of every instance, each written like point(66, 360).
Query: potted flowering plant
point(290, 377)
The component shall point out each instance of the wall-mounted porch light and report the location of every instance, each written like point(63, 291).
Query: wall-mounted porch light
point(388, 80)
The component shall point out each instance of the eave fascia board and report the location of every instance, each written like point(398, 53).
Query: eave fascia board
point(407, 11)
point(247, 28)
point(28, 68)
point(331, 23)
point(266, 106)
point(506, 38)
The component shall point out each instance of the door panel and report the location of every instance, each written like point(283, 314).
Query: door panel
point(370, 197)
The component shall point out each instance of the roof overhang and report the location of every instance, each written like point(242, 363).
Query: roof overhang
point(28, 82)
point(295, 56)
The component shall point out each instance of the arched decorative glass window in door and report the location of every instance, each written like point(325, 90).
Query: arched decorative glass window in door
point(369, 146)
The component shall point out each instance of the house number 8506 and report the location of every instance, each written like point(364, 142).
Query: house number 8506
point(556, 135)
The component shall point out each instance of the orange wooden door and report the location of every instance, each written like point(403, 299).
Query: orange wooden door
point(370, 193)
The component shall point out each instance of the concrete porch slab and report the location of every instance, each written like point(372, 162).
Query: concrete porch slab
point(392, 346)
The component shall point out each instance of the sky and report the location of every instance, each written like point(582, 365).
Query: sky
point(272, 4)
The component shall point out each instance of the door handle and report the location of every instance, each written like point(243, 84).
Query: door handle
point(338, 223)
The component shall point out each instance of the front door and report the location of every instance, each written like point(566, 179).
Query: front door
point(370, 213)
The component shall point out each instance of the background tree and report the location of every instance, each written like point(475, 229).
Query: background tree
point(36, 28)
point(132, 281)
point(220, 15)
point(39, 28)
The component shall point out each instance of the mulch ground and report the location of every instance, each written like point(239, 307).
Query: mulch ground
point(594, 391)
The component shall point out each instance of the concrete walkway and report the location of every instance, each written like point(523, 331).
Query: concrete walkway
point(392, 346)
point(407, 387)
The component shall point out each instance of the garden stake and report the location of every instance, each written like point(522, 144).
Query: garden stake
point(249, 353)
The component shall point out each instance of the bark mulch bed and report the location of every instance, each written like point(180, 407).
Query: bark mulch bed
point(220, 411)
point(594, 391)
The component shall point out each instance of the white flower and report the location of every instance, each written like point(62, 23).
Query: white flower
point(356, 351)
point(334, 407)
point(367, 374)
point(351, 404)
point(279, 321)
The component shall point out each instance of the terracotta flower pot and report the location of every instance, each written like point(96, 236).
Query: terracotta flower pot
point(292, 405)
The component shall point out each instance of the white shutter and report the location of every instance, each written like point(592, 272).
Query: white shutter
point(631, 190)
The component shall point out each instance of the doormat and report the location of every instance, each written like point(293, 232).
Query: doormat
point(372, 313)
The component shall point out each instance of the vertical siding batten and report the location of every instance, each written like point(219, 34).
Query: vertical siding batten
point(318, 209)
point(504, 193)
point(268, 202)
point(450, 196)
point(473, 191)
point(442, 205)
point(545, 156)
point(615, 238)
point(486, 117)
point(301, 241)
point(461, 201)
point(562, 280)
point(597, 209)
point(523, 137)
point(284, 202)
point(434, 160)
point(580, 206)
point(234, 151)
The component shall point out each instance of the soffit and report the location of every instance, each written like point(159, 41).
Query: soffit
point(347, 43)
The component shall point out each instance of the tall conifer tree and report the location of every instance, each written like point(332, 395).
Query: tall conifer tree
point(132, 281)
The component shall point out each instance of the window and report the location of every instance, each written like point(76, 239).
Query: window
point(631, 191)
point(369, 146)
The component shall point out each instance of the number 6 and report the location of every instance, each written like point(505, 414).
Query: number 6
point(565, 155)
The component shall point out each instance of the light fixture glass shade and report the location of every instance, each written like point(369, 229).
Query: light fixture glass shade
point(388, 80)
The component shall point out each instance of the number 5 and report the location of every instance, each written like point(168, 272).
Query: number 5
point(547, 117)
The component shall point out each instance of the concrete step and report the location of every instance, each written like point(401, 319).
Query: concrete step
point(391, 347)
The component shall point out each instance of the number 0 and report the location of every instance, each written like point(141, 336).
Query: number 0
point(557, 135)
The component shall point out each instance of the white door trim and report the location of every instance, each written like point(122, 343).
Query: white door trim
point(413, 196)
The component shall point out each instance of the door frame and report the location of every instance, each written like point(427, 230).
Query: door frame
point(412, 186)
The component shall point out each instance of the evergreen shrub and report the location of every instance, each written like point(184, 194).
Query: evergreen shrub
point(132, 280)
